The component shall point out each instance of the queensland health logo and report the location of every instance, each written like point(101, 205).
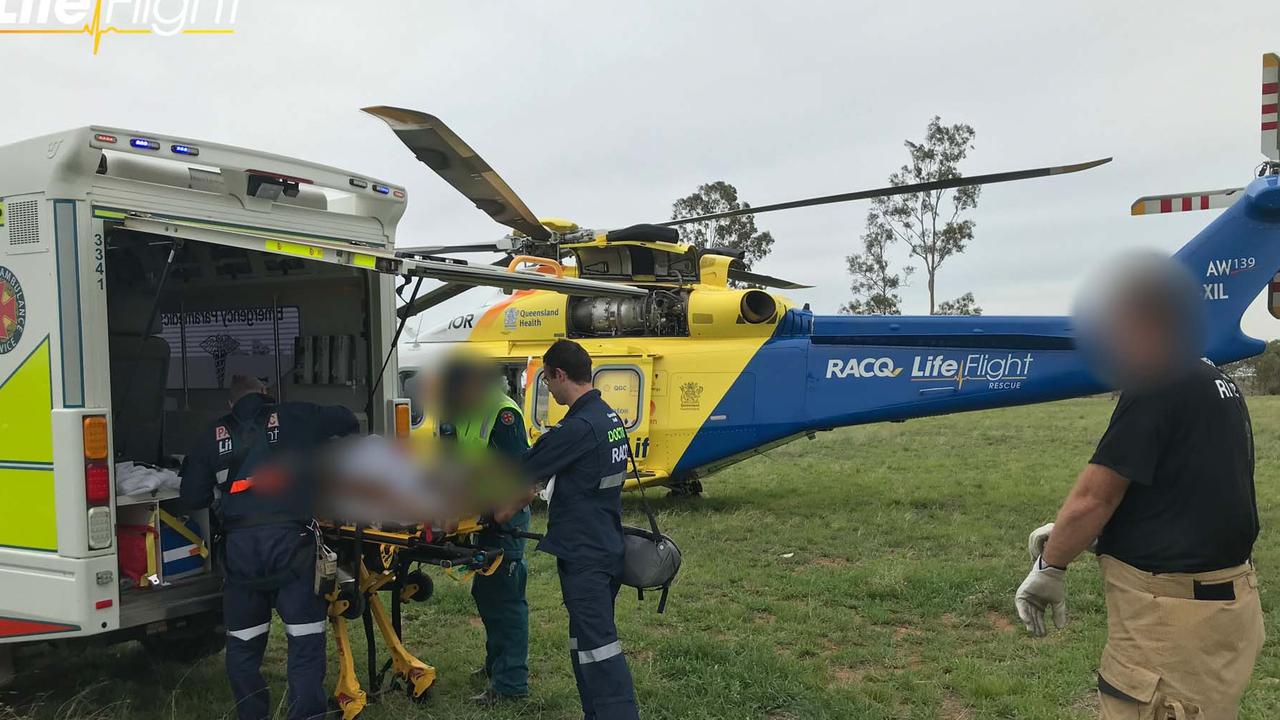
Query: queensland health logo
point(96, 19)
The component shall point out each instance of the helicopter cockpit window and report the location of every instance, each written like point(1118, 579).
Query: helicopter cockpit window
point(411, 387)
point(621, 387)
point(541, 403)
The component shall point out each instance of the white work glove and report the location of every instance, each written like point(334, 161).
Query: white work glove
point(1044, 590)
point(546, 492)
point(1037, 539)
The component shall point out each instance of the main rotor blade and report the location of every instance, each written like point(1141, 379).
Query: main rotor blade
point(440, 149)
point(764, 280)
point(896, 190)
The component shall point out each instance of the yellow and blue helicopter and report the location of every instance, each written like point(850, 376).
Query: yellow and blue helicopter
point(706, 374)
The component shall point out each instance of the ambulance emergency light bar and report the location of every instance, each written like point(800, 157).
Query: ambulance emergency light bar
point(266, 176)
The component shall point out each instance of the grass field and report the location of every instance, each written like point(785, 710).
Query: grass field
point(866, 574)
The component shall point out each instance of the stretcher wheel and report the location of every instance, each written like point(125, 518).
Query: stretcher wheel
point(337, 711)
point(425, 696)
point(417, 587)
point(355, 602)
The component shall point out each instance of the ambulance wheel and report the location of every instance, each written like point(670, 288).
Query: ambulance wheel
point(420, 583)
point(8, 672)
point(355, 602)
point(197, 640)
point(684, 487)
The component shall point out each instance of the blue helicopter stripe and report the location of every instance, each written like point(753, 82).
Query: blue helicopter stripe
point(818, 373)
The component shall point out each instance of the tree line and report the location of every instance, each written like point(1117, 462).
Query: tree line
point(928, 228)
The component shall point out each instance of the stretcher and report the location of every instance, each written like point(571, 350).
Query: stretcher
point(376, 560)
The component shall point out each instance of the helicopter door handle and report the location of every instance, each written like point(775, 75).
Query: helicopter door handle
point(552, 265)
point(935, 391)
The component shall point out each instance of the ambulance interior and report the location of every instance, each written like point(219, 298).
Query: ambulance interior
point(219, 311)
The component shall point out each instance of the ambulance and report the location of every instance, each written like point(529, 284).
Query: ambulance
point(139, 273)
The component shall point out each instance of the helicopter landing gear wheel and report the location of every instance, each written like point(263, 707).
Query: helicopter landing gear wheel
point(684, 488)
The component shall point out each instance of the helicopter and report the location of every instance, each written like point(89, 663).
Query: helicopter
point(706, 374)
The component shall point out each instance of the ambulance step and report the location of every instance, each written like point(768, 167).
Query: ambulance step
point(186, 597)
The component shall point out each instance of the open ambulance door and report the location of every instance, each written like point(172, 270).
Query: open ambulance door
point(625, 382)
point(369, 258)
point(359, 256)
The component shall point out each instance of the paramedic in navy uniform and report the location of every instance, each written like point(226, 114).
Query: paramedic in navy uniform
point(269, 553)
point(584, 458)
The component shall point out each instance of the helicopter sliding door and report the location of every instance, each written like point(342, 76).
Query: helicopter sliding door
point(625, 382)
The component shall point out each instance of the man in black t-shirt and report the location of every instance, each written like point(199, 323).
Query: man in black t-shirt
point(1168, 496)
point(1187, 452)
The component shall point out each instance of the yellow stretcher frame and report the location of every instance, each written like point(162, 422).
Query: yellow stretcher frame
point(396, 548)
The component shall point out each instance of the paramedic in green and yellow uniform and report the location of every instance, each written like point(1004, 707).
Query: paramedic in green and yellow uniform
point(480, 416)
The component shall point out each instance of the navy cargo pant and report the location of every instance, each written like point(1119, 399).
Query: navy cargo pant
point(500, 600)
point(273, 566)
point(604, 681)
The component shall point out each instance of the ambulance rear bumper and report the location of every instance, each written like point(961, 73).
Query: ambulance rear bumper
point(44, 596)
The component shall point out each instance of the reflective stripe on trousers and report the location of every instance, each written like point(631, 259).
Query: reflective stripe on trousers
point(301, 629)
point(604, 652)
point(250, 633)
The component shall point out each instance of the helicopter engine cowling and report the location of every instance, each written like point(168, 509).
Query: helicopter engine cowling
point(660, 314)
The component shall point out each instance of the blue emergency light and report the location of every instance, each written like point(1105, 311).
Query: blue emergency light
point(144, 144)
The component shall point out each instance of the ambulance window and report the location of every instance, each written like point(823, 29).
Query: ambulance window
point(620, 388)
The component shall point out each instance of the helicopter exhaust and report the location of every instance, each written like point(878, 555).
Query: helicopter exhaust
point(758, 306)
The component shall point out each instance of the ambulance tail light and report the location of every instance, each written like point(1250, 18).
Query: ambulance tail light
point(402, 419)
point(95, 437)
point(97, 484)
point(97, 481)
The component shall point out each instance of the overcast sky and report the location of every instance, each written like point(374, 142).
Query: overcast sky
point(605, 112)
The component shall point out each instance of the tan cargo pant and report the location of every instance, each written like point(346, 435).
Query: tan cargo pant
point(1175, 656)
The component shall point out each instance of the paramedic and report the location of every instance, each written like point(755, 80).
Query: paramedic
point(268, 547)
point(479, 416)
point(584, 461)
